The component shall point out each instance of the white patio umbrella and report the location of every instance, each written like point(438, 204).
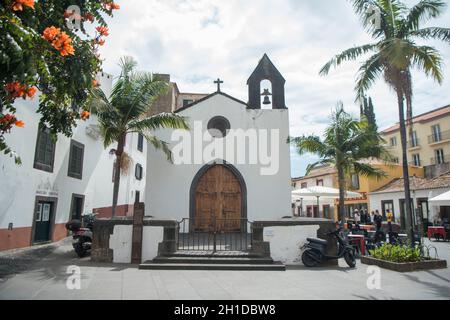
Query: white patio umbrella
point(441, 200)
point(322, 192)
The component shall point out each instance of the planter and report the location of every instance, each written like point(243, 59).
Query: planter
point(407, 266)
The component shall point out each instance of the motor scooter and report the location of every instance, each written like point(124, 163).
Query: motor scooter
point(315, 251)
point(82, 237)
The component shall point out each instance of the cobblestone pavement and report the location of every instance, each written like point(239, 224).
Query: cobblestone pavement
point(44, 274)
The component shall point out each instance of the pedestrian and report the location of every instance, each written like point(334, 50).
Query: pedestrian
point(377, 219)
point(363, 216)
point(357, 216)
point(390, 218)
point(370, 217)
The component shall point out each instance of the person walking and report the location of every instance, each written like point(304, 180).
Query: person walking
point(390, 218)
point(357, 216)
point(377, 219)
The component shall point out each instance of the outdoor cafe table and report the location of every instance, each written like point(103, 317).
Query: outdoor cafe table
point(434, 232)
point(359, 241)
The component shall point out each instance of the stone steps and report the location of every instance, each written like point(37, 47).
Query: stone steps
point(150, 265)
point(206, 260)
point(213, 260)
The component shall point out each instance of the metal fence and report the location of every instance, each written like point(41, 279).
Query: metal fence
point(214, 235)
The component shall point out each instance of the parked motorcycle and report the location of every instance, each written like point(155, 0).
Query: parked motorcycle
point(82, 237)
point(315, 251)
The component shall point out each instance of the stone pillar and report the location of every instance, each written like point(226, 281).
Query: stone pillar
point(138, 226)
point(259, 247)
point(170, 240)
point(100, 241)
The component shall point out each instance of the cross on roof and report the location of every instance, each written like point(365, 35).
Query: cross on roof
point(218, 82)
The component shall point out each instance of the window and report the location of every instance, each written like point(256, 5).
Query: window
point(187, 102)
point(396, 160)
point(416, 160)
point(393, 141)
point(138, 172)
point(44, 156)
point(76, 160)
point(218, 127)
point(436, 133)
point(140, 145)
point(304, 185)
point(319, 182)
point(440, 159)
point(355, 181)
point(137, 196)
point(414, 140)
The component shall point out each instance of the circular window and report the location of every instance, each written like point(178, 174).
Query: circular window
point(218, 127)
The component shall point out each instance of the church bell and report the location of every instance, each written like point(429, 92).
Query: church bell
point(266, 95)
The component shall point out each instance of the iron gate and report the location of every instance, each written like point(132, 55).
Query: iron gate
point(214, 235)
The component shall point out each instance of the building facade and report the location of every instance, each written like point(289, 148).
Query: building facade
point(208, 180)
point(428, 144)
point(327, 176)
point(392, 197)
point(63, 179)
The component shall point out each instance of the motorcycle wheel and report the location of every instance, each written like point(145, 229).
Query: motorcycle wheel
point(308, 260)
point(349, 257)
point(80, 251)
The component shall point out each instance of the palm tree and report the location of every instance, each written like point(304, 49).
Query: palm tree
point(347, 145)
point(393, 55)
point(125, 112)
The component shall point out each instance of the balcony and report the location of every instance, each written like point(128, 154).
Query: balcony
point(414, 144)
point(413, 164)
point(439, 137)
point(445, 159)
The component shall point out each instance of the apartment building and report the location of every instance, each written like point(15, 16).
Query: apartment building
point(428, 144)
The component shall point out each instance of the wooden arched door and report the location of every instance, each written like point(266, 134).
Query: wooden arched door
point(218, 201)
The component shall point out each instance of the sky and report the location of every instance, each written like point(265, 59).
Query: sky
point(197, 41)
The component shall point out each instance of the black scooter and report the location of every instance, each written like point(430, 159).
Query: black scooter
point(316, 251)
point(82, 237)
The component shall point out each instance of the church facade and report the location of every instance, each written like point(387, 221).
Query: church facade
point(232, 164)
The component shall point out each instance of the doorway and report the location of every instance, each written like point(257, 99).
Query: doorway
point(77, 206)
point(44, 216)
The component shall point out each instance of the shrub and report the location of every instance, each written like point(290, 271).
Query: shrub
point(397, 253)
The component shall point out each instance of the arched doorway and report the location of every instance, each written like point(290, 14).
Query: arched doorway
point(218, 199)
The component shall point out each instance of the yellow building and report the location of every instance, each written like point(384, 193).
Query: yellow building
point(327, 177)
point(429, 143)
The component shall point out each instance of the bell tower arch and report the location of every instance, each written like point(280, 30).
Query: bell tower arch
point(266, 71)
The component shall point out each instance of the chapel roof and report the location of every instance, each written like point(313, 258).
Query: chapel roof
point(209, 97)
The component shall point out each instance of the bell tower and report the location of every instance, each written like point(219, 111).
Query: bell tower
point(266, 71)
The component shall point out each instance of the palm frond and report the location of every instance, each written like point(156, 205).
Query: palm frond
point(368, 72)
point(347, 55)
point(429, 60)
point(160, 145)
point(435, 33)
point(159, 121)
point(367, 170)
point(309, 144)
point(423, 11)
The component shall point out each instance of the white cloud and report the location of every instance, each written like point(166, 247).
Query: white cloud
point(197, 41)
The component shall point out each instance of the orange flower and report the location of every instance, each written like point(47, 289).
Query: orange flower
point(94, 83)
point(111, 6)
point(85, 115)
point(59, 40)
point(18, 90)
point(31, 92)
point(19, 4)
point(103, 31)
point(100, 42)
point(19, 123)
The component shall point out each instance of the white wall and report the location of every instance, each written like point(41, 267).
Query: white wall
point(21, 184)
point(268, 197)
point(121, 242)
point(286, 242)
point(375, 200)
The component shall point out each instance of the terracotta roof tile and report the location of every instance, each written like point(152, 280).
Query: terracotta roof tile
point(396, 185)
point(428, 116)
